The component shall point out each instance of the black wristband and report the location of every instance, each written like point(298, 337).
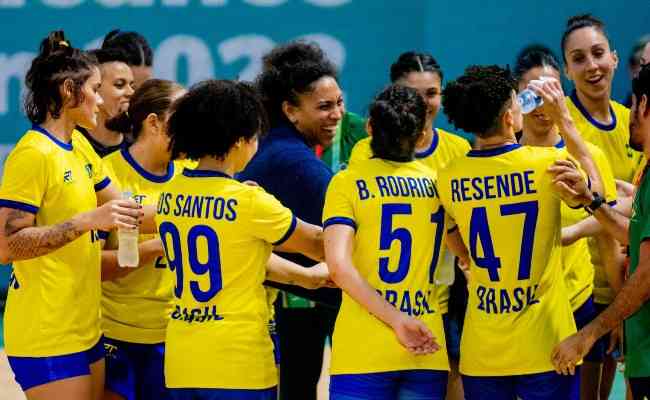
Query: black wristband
point(595, 203)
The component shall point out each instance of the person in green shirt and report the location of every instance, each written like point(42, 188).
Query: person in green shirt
point(350, 130)
point(632, 303)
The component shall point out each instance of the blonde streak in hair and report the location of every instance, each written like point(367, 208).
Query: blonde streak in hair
point(419, 63)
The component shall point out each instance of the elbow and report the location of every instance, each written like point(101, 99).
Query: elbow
point(5, 255)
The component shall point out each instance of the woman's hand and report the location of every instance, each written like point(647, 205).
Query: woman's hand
point(126, 214)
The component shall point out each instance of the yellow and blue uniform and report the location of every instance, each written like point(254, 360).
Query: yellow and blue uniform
point(53, 305)
point(444, 147)
point(218, 235)
point(136, 308)
point(395, 210)
point(518, 309)
point(613, 139)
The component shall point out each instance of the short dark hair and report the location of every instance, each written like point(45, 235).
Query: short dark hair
point(641, 83)
point(412, 61)
point(396, 117)
point(288, 71)
point(56, 62)
point(534, 56)
point(212, 116)
point(153, 96)
point(134, 45)
point(578, 22)
point(475, 101)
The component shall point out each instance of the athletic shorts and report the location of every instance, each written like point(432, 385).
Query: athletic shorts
point(541, 386)
point(224, 394)
point(400, 385)
point(135, 371)
point(36, 371)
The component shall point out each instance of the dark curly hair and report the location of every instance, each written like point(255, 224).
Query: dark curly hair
point(134, 45)
point(475, 101)
point(414, 62)
point(397, 117)
point(534, 56)
point(56, 63)
point(152, 97)
point(288, 71)
point(212, 116)
point(581, 21)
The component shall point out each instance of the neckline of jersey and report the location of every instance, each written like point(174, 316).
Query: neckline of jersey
point(494, 151)
point(434, 145)
point(605, 127)
point(560, 144)
point(143, 172)
point(204, 173)
point(60, 143)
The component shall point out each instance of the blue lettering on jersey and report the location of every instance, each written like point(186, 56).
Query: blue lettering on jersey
point(190, 206)
point(504, 301)
point(363, 189)
point(205, 314)
point(407, 302)
point(399, 186)
point(492, 187)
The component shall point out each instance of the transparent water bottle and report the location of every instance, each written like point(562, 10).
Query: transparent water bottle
point(127, 250)
point(529, 100)
point(446, 273)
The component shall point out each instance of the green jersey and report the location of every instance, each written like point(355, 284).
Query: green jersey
point(351, 129)
point(637, 340)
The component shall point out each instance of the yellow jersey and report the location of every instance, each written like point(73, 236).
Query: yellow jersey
point(613, 139)
point(53, 301)
point(518, 308)
point(444, 147)
point(218, 235)
point(136, 308)
point(578, 266)
point(395, 210)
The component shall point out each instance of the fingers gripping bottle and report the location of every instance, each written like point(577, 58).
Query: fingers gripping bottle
point(127, 250)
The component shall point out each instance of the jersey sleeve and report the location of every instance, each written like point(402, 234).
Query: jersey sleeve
point(606, 175)
point(339, 208)
point(360, 152)
point(24, 180)
point(270, 220)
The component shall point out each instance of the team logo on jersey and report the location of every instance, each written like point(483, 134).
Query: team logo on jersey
point(67, 176)
point(13, 282)
point(89, 170)
point(110, 349)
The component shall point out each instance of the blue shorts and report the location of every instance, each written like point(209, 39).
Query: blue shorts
point(542, 386)
point(135, 371)
point(275, 338)
point(394, 385)
point(586, 313)
point(603, 342)
point(452, 336)
point(224, 394)
point(35, 371)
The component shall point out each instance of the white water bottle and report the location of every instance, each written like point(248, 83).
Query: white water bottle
point(446, 274)
point(127, 250)
point(529, 100)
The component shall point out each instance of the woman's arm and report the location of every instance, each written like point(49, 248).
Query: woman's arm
point(148, 251)
point(306, 239)
point(412, 333)
point(281, 270)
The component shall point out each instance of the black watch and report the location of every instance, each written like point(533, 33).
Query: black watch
point(595, 203)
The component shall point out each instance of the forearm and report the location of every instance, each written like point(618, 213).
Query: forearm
point(457, 246)
point(148, 251)
point(281, 270)
point(614, 223)
point(35, 241)
point(612, 258)
point(577, 147)
point(635, 292)
point(346, 276)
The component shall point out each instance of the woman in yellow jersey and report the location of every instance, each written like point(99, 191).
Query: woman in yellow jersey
point(539, 129)
point(52, 186)
point(590, 64)
point(501, 196)
point(388, 293)
point(136, 302)
point(435, 149)
point(218, 235)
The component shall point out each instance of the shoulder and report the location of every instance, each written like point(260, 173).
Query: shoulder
point(453, 140)
point(620, 109)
